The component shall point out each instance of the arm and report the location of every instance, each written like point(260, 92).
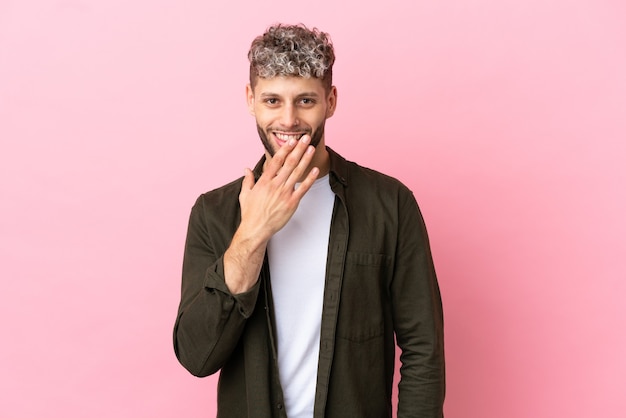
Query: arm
point(418, 319)
point(210, 318)
point(220, 288)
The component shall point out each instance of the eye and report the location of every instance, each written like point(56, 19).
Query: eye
point(307, 101)
point(272, 101)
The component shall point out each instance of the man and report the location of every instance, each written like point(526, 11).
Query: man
point(297, 277)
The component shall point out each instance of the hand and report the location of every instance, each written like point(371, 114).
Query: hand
point(269, 204)
point(266, 206)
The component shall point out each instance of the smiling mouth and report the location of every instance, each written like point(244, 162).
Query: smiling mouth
point(283, 137)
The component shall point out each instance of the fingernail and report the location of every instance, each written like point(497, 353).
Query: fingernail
point(292, 142)
point(306, 139)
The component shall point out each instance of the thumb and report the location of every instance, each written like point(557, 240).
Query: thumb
point(248, 181)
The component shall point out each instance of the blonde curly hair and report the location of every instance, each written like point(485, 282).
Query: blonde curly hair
point(292, 50)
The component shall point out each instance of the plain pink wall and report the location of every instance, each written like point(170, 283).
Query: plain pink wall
point(506, 118)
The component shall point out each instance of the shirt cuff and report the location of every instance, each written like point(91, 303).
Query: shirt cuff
point(245, 302)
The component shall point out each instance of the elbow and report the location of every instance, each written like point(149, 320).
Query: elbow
point(195, 360)
point(195, 371)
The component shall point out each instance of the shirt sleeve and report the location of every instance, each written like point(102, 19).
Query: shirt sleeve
point(418, 319)
point(210, 319)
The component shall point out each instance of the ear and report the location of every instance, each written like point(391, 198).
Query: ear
point(331, 102)
point(250, 98)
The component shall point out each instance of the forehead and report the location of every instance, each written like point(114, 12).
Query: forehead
point(288, 85)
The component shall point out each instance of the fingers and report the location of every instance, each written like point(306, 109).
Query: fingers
point(306, 183)
point(278, 159)
point(296, 163)
point(267, 204)
point(248, 179)
point(247, 183)
point(290, 161)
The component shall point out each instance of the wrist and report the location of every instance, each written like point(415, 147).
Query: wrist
point(242, 262)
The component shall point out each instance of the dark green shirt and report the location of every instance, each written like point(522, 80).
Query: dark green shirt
point(380, 284)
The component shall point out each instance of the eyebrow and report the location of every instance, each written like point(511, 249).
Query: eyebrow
point(305, 94)
point(308, 94)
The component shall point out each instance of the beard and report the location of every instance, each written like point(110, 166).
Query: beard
point(316, 137)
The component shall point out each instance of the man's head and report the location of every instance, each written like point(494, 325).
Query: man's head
point(290, 92)
point(292, 50)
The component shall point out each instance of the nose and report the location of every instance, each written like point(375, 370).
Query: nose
point(289, 116)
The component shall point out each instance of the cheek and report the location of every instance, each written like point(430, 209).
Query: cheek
point(261, 118)
point(319, 121)
point(314, 119)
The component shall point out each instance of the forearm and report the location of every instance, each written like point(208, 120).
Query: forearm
point(209, 327)
point(243, 261)
point(421, 390)
point(420, 336)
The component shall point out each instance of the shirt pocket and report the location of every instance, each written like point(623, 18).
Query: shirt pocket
point(364, 296)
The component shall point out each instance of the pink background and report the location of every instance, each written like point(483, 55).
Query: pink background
point(506, 118)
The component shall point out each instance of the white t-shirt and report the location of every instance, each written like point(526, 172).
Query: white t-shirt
point(297, 260)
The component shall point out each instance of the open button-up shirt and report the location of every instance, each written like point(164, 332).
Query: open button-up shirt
point(380, 290)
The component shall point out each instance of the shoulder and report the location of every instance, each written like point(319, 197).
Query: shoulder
point(224, 193)
point(365, 180)
point(367, 175)
point(222, 200)
point(217, 213)
point(228, 194)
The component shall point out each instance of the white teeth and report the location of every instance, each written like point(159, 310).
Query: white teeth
point(286, 137)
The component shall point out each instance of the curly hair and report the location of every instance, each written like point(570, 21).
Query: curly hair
point(292, 50)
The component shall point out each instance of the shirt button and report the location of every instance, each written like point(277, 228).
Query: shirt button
point(279, 406)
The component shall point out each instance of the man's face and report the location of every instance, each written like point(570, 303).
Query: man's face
point(289, 107)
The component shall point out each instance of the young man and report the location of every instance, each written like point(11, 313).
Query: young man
point(297, 278)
